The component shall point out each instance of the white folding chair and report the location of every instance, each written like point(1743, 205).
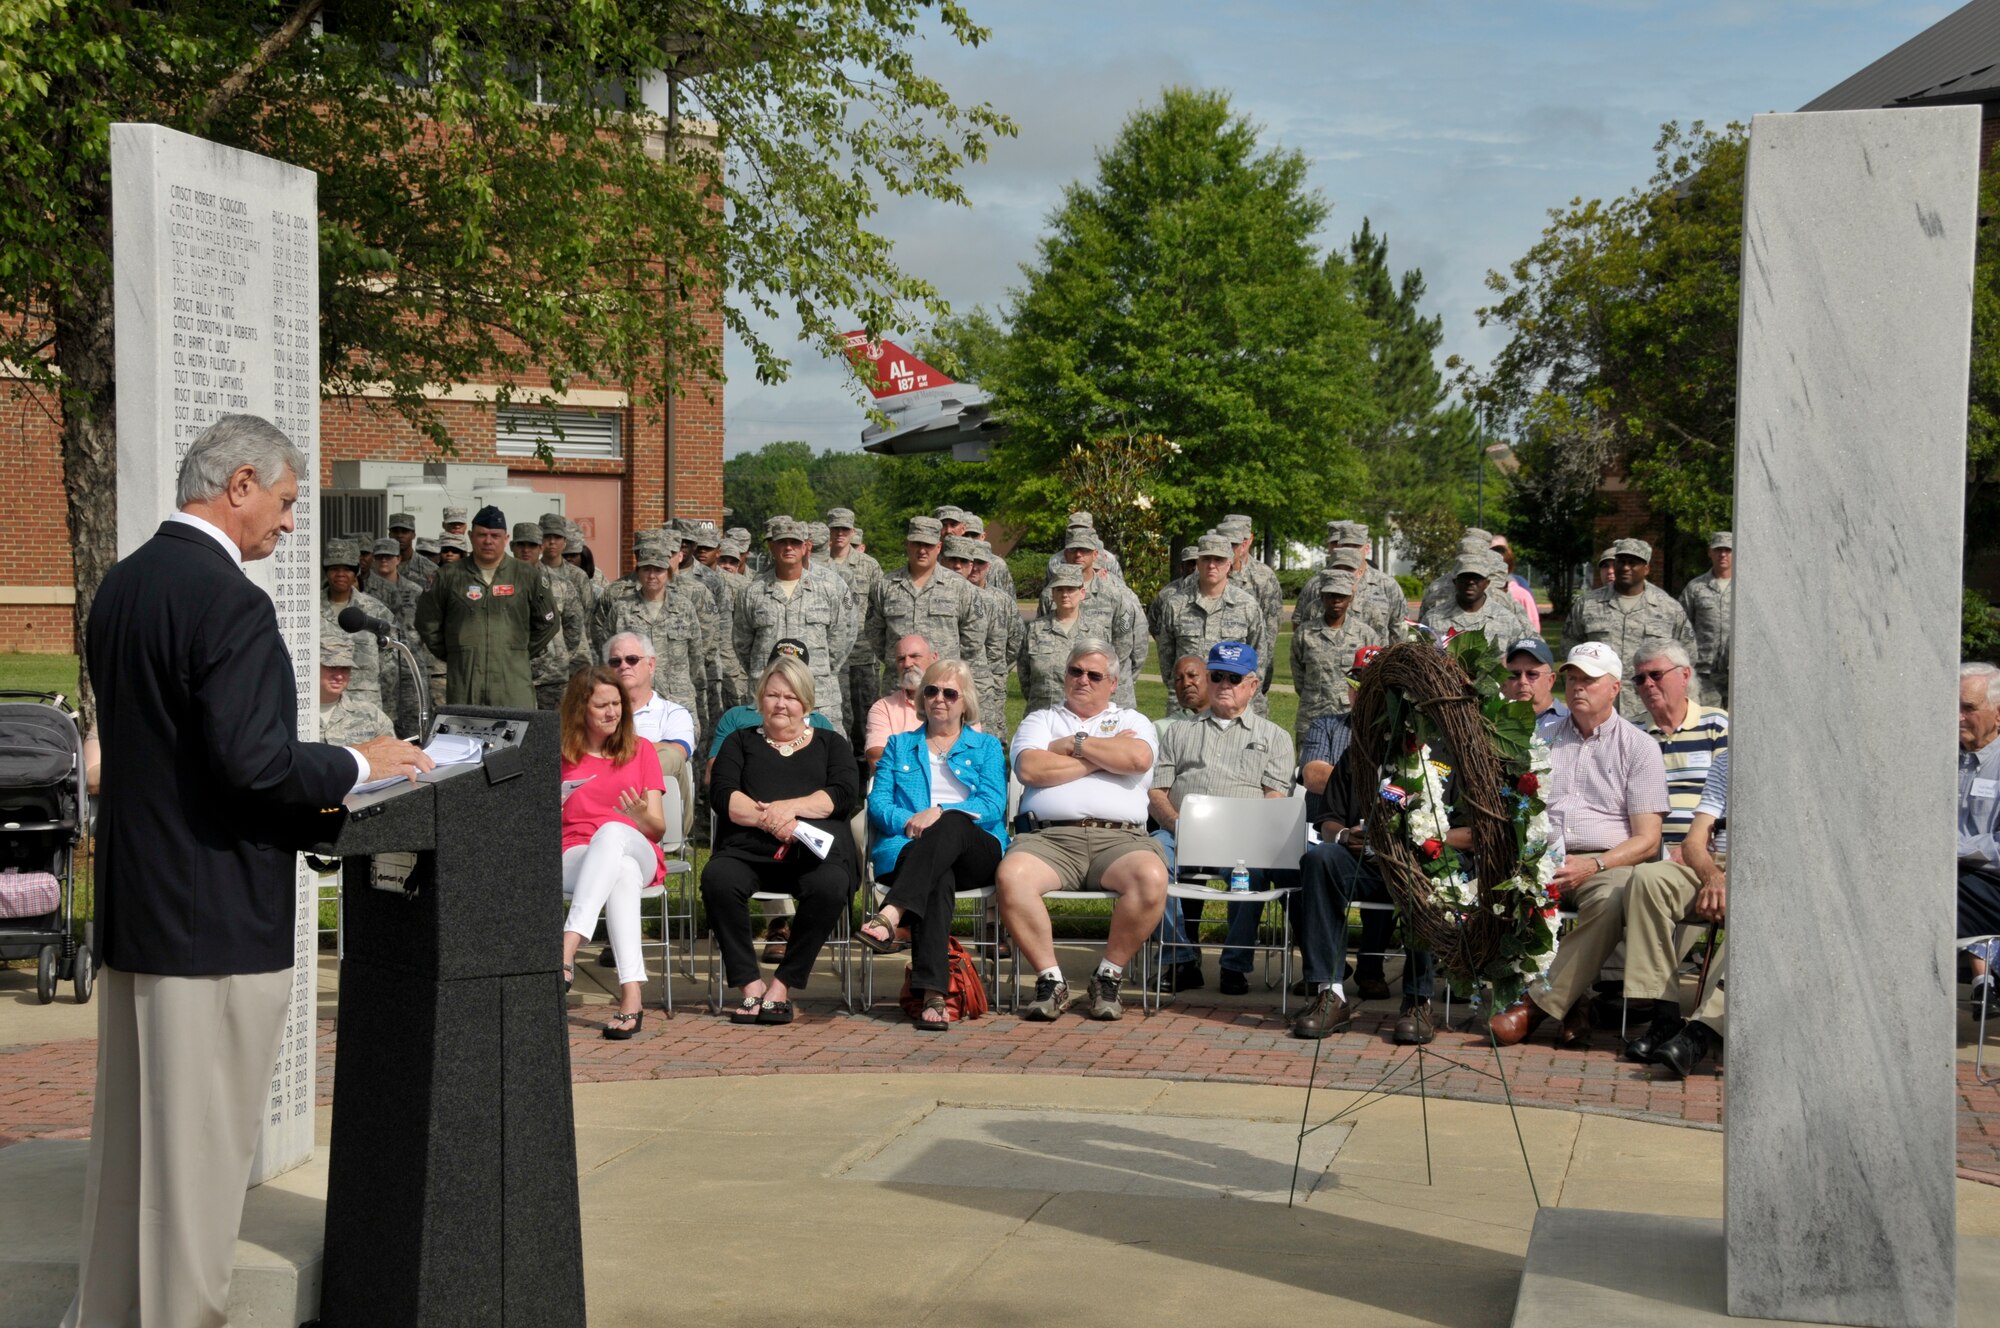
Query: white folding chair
point(985, 918)
point(675, 892)
point(1212, 836)
point(1982, 987)
point(839, 946)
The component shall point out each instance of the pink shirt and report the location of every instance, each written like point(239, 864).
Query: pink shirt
point(596, 801)
point(893, 714)
point(1525, 597)
point(1597, 784)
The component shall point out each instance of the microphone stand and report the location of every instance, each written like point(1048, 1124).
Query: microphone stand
point(418, 678)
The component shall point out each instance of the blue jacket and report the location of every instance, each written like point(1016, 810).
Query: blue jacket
point(903, 788)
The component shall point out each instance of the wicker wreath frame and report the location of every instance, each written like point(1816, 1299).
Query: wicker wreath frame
point(1432, 683)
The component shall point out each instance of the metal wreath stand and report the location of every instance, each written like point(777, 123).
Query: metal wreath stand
point(1410, 679)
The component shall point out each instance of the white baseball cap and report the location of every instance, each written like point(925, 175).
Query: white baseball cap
point(1596, 660)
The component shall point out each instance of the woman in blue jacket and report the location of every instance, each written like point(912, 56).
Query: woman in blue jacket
point(937, 813)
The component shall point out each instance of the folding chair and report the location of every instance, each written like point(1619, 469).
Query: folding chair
point(1212, 836)
point(675, 892)
point(1982, 987)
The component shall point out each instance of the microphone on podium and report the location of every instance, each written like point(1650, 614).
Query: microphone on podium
point(355, 619)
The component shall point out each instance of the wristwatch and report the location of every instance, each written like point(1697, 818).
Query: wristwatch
point(1599, 860)
point(1076, 745)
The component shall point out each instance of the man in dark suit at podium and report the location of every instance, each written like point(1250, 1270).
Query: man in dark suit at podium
point(207, 797)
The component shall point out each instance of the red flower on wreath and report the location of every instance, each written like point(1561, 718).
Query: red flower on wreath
point(1433, 849)
point(1527, 785)
point(1555, 892)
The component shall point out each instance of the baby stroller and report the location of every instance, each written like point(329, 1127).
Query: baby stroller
point(43, 811)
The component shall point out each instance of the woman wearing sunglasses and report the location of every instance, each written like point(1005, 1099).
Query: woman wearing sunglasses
point(937, 811)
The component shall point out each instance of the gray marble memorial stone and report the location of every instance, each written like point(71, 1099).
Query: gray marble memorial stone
point(1856, 320)
point(215, 257)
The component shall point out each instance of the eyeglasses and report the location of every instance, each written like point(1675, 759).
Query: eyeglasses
point(1654, 675)
point(948, 693)
point(1224, 679)
point(1091, 674)
point(627, 661)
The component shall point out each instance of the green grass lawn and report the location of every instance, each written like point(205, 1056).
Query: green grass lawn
point(39, 673)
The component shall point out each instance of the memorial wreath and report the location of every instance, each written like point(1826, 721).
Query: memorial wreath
point(1437, 746)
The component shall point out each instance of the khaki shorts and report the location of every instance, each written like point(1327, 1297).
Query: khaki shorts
point(1081, 854)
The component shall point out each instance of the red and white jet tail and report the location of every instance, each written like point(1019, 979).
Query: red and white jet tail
point(889, 370)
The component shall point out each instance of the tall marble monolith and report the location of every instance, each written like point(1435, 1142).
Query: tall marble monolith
point(215, 256)
point(1858, 232)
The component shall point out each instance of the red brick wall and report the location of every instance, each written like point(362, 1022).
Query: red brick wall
point(32, 510)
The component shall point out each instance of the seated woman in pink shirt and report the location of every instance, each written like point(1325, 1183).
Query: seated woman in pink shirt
point(611, 826)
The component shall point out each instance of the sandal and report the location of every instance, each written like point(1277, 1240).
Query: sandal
point(774, 1012)
point(617, 1034)
point(884, 944)
point(745, 1011)
point(942, 1022)
point(569, 976)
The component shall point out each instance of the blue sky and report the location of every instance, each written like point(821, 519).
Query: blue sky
point(1454, 126)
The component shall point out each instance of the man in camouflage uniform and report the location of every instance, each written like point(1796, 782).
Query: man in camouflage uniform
point(1111, 613)
point(972, 559)
point(1626, 614)
point(1323, 649)
point(551, 666)
point(1707, 601)
point(388, 581)
point(1213, 609)
point(453, 522)
point(818, 538)
point(999, 576)
point(488, 617)
point(809, 604)
point(557, 533)
point(1107, 561)
point(1184, 565)
point(860, 681)
point(700, 543)
point(374, 679)
point(919, 597)
point(1474, 608)
point(417, 569)
point(1443, 589)
point(1378, 596)
point(452, 549)
point(1048, 636)
point(1254, 577)
point(344, 718)
point(649, 605)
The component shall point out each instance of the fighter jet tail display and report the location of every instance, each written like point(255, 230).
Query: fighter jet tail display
point(928, 410)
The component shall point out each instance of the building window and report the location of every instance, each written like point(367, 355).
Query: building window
point(588, 435)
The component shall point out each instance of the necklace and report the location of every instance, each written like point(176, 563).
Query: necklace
point(787, 748)
point(932, 740)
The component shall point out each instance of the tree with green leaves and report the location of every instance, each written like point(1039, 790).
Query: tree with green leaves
point(500, 200)
point(1180, 294)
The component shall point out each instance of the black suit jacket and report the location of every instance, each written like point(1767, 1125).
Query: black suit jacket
point(207, 791)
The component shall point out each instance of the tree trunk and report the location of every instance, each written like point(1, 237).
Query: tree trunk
point(86, 351)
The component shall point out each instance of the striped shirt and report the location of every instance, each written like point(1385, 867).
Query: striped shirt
point(1688, 752)
point(1715, 802)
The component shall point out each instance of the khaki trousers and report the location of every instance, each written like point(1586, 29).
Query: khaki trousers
point(1641, 906)
point(184, 1070)
point(1713, 1008)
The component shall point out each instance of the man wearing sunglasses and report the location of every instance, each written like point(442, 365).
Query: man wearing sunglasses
point(1531, 677)
point(1226, 752)
point(1085, 767)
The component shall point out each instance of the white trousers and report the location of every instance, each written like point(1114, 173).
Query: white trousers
point(605, 876)
point(183, 1073)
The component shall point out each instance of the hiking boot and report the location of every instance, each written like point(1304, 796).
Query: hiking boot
point(1104, 1002)
point(1328, 1014)
point(1414, 1027)
point(1051, 999)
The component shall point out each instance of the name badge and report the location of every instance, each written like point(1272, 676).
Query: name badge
point(503, 589)
point(1986, 788)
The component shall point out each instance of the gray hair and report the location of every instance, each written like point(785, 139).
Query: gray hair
point(228, 445)
point(1090, 645)
point(644, 642)
point(1661, 648)
point(896, 646)
point(1986, 671)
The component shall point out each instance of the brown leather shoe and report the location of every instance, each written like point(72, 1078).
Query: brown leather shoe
point(1326, 1015)
point(1574, 1035)
point(1513, 1024)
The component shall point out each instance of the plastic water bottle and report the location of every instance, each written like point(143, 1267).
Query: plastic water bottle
point(1239, 878)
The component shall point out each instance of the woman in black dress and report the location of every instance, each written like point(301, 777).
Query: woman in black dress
point(766, 781)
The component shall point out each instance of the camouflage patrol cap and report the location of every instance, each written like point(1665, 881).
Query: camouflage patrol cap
point(1478, 564)
point(786, 528)
point(577, 544)
point(1214, 545)
point(975, 524)
point(923, 530)
point(362, 537)
point(1346, 532)
point(453, 540)
point(1081, 519)
point(1339, 581)
point(741, 534)
point(1187, 554)
point(1608, 555)
point(1347, 559)
point(948, 512)
point(819, 533)
point(860, 535)
point(840, 518)
point(402, 521)
point(572, 532)
point(554, 523)
point(1632, 548)
point(455, 516)
point(527, 532)
point(982, 552)
point(426, 545)
point(341, 553)
point(652, 549)
point(1065, 576)
point(1471, 544)
point(336, 652)
point(1081, 537)
point(1236, 526)
point(958, 546)
point(1485, 537)
point(387, 547)
point(706, 536)
point(1722, 539)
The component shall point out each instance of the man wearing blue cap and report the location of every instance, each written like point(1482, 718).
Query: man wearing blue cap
point(486, 617)
point(1226, 751)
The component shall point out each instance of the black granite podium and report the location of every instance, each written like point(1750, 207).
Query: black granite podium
point(451, 1191)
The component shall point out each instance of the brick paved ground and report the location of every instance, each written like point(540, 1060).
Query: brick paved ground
point(45, 1089)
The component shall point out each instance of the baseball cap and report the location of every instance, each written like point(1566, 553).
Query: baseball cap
point(792, 646)
point(652, 549)
point(948, 513)
point(341, 553)
point(975, 524)
point(982, 552)
point(1081, 519)
point(1188, 554)
point(1475, 563)
point(552, 523)
point(1608, 554)
point(1365, 656)
point(1237, 657)
point(453, 540)
point(1531, 645)
point(1346, 532)
point(425, 544)
point(1595, 659)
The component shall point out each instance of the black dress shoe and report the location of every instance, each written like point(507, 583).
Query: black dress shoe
point(1184, 977)
point(1235, 984)
point(1682, 1053)
point(1667, 1021)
